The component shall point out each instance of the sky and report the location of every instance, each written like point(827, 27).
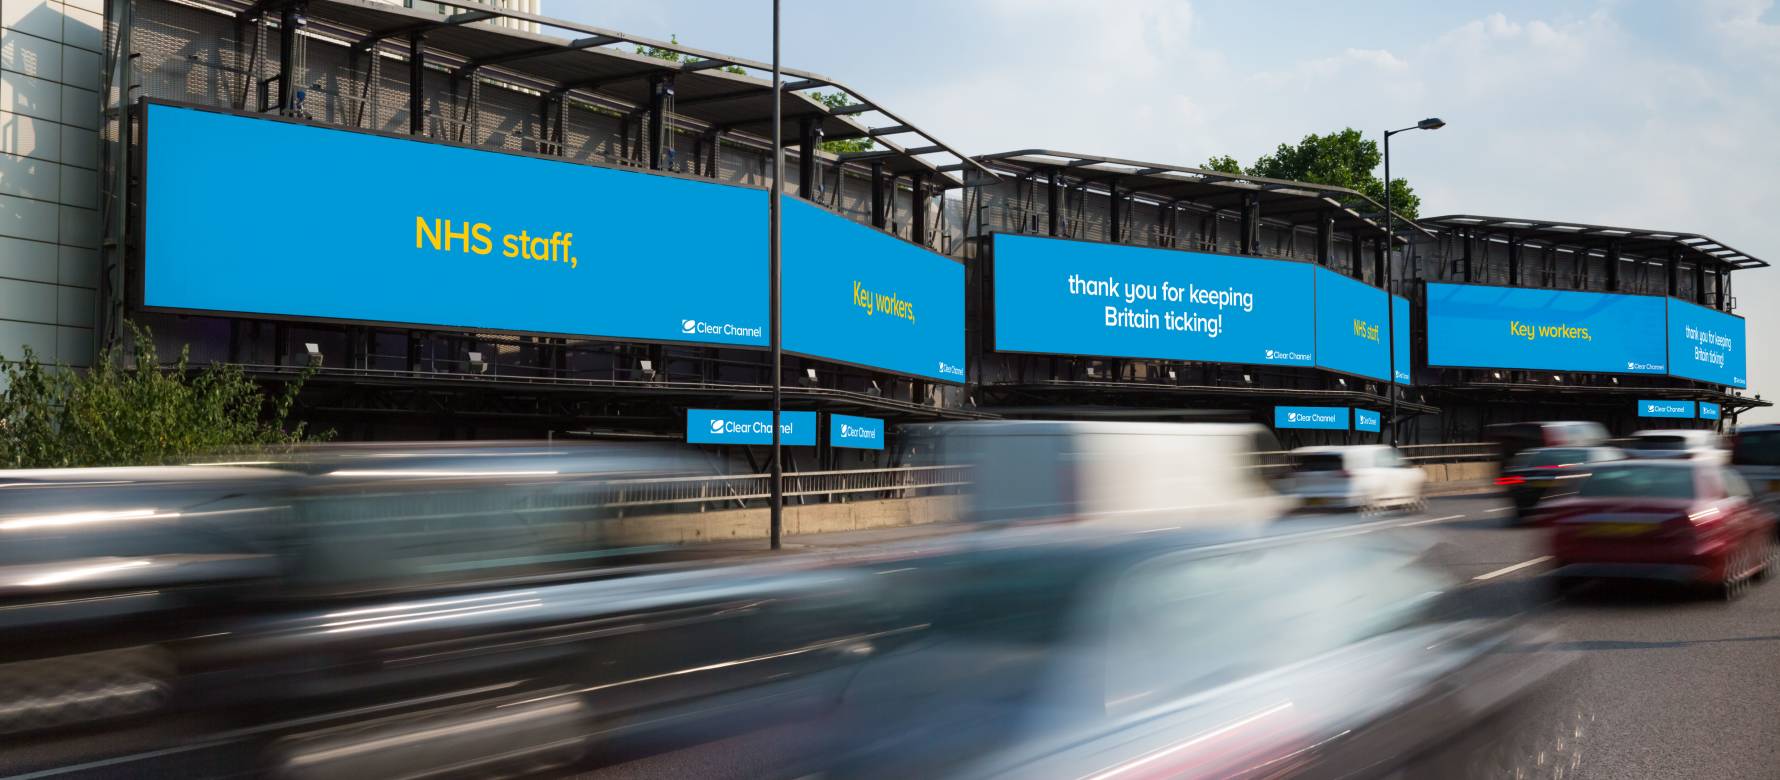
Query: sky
point(1650, 114)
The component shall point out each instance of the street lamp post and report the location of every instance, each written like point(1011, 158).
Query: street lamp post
point(777, 476)
point(1390, 236)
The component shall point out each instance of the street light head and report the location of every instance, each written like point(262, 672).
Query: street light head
point(1431, 123)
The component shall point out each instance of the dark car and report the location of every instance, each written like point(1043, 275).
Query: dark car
point(1194, 654)
point(1755, 453)
point(463, 616)
point(1686, 522)
point(1512, 438)
point(1544, 473)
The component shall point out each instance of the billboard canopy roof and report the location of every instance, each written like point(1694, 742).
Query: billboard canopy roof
point(1292, 202)
point(603, 67)
point(1631, 242)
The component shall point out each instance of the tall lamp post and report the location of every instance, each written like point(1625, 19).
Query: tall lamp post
point(776, 489)
point(1390, 238)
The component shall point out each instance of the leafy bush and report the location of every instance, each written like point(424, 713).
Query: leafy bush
point(110, 415)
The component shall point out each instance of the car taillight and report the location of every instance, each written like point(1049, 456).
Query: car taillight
point(1510, 480)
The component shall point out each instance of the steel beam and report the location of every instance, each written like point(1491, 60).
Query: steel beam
point(417, 83)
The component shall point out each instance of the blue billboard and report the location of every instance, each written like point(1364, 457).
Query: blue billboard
point(1710, 411)
point(1707, 345)
point(1400, 338)
point(1478, 326)
point(461, 238)
point(1351, 332)
point(865, 433)
point(749, 426)
point(1367, 420)
point(856, 295)
point(1068, 297)
point(1325, 418)
point(1683, 409)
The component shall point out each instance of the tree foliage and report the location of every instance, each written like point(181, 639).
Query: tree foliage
point(673, 56)
point(834, 100)
point(110, 415)
point(1345, 158)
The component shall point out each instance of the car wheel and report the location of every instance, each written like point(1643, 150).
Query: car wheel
point(1734, 581)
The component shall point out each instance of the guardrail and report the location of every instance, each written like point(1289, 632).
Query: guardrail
point(740, 491)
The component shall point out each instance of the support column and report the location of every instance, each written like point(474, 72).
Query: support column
point(1673, 269)
point(1246, 243)
point(1699, 283)
point(1721, 297)
point(918, 209)
point(1325, 238)
point(1469, 253)
point(809, 137)
point(1358, 265)
point(1514, 260)
point(661, 90)
point(550, 111)
point(1054, 203)
point(417, 84)
point(289, 21)
point(880, 212)
point(1613, 263)
point(1115, 225)
point(1381, 254)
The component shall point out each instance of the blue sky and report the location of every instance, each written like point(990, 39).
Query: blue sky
point(1647, 114)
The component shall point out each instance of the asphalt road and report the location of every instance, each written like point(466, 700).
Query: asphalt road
point(1675, 685)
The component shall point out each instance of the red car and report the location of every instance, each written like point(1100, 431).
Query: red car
point(1679, 521)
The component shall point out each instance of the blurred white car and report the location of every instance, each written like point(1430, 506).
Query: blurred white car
point(1680, 444)
point(1360, 476)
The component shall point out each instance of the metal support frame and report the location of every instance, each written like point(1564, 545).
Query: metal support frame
point(918, 208)
point(1515, 247)
point(1358, 264)
point(809, 137)
point(880, 211)
point(417, 83)
point(1614, 261)
point(1722, 299)
point(1054, 202)
point(550, 111)
point(1325, 238)
point(1699, 283)
point(290, 20)
point(1115, 231)
point(1251, 218)
point(661, 90)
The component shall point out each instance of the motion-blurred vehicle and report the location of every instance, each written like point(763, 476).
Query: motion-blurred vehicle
point(1360, 476)
point(1140, 473)
point(1755, 453)
point(1681, 521)
point(384, 612)
point(1195, 654)
point(1545, 473)
point(1681, 444)
point(1511, 438)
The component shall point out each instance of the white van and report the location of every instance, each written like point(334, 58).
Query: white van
point(1165, 474)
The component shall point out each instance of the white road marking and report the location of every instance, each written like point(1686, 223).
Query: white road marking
point(1434, 520)
point(1499, 509)
point(1509, 569)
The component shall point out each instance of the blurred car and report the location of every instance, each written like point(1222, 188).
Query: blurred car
point(1156, 474)
point(1191, 654)
point(1544, 473)
point(1360, 476)
point(456, 614)
point(1511, 438)
point(1755, 453)
point(1686, 522)
point(1699, 445)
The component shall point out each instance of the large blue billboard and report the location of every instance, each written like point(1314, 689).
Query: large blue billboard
point(857, 295)
point(749, 426)
point(1082, 298)
point(1351, 332)
point(1477, 326)
point(458, 238)
point(1707, 345)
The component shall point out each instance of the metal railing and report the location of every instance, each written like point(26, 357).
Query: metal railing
point(739, 491)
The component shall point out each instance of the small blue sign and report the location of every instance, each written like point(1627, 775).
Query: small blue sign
point(1367, 420)
point(866, 433)
point(1326, 418)
point(749, 426)
point(1710, 411)
point(1682, 409)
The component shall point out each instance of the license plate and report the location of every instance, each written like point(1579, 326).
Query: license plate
point(1617, 529)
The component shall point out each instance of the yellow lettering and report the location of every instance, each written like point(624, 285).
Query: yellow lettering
point(421, 231)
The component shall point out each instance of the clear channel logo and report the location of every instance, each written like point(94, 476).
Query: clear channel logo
point(950, 370)
point(1309, 417)
point(1633, 365)
point(689, 327)
point(1285, 354)
point(857, 432)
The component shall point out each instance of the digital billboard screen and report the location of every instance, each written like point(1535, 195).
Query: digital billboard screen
point(1400, 338)
point(864, 433)
point(857, 295)
point(1324, 418)
point(453, 237)
point(1683, 409)
point(749, 426)
point(1478, 326)
point(1058, 296)
point(1351, 332)
point(1707, 345)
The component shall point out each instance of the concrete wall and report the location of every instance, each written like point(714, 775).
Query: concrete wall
point(50, 73)
point(742, 524)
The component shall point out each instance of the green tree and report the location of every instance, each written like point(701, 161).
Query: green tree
point(834, 100)
point(1223, 164)
point(1345, 158)
point(108, 415)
